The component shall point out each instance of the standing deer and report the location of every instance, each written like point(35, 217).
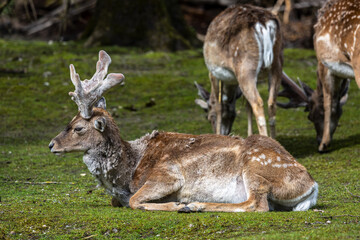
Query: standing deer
point(337, 46)
point(180, 172)
point(241, 42)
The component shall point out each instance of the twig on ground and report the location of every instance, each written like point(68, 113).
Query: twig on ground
point(351, 193)
point(345, 215)
point(43, 183)
point(90, 236)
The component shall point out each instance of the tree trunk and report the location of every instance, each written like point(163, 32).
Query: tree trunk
point(155, 24)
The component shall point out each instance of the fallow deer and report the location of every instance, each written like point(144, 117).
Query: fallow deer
point(337, 46)
point(241, 42)
point(181, 172)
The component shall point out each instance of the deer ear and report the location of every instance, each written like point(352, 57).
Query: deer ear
point(101, 103)
point(202, 92)
point(202, 104)
point(100, 124)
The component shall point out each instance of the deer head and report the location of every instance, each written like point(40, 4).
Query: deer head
point(304, 96)
point(228, 113)
point(89, 127)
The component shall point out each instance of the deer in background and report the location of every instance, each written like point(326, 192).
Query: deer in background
point(337, 46)
point(180, 172)
point(240, 43)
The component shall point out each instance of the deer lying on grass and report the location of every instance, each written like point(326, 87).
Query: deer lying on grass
point(241, 42)
point(181, 172)
point(337, 45)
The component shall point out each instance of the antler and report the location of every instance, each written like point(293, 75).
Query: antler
point(88, 92)
point(297, 95)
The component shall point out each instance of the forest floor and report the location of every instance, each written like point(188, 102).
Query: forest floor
point(47, 196)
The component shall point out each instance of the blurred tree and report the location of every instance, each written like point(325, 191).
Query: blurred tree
point(3, 4)
point(156, 24)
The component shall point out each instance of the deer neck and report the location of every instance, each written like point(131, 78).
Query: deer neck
point(113, 163)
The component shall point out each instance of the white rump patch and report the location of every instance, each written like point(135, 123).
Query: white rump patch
point(309, 201)
point(301, 203)
point(265, 37)
point(262, 121)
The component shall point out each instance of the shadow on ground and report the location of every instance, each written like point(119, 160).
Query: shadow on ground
point(304, 146)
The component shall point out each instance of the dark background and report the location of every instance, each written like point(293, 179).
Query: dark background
point(154, 24)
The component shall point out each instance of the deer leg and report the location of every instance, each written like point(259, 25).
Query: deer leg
point(216, 89)
point(328, 84)
point(355, 62)
point(255, 203)
point(277, 6)
point(247, 82)
point(249, 117)
point(156, 188)
point(287, 11)
point(274, 84)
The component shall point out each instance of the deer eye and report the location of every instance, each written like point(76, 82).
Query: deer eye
point(78, 129)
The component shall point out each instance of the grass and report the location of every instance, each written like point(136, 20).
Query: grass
point(45, 196)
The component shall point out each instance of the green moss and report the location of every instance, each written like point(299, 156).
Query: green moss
point(71, 207)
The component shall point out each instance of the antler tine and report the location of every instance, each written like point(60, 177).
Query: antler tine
point(88, 92)
point(75, 78)
point(296, 94)
point(101, 66)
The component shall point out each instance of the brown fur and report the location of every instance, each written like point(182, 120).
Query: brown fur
point(235, 19)
point(183, 172)
point(340, 21)
point(336, 41)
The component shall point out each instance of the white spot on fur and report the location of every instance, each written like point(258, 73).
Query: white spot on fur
point(354, 41)
point(262, 121)
point(272, 121)
point(224, 97)
point(278, 158)
point(262, 156)
point(256, 150)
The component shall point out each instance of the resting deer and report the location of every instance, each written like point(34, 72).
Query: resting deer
point(181, 172)
point(337, 45)
point(241, 42)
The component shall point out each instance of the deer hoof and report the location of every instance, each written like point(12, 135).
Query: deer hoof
point(323, 148)
point(184, 210)
point(115, 203)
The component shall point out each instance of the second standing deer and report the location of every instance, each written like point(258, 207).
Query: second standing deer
point(336, 41)
point(241, 42)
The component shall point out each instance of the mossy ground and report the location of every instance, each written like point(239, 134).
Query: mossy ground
point(45, 196)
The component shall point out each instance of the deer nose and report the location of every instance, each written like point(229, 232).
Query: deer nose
point(51, 145)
